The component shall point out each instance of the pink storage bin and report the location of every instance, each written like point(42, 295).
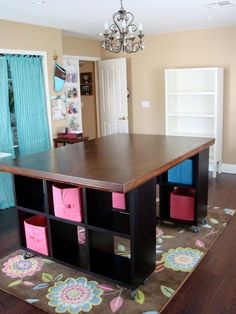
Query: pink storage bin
point(182, 204)
point(118, 201)
point(36, 234)
point(67, 202)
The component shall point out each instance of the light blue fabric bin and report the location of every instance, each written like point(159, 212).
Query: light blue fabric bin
point(182, 173)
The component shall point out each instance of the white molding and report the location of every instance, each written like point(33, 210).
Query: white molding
point(229, 168)
point(82, 58)
point(47, 95)
point(94, 59)
point(225, 168)
point(97, 99)
point(23, 52)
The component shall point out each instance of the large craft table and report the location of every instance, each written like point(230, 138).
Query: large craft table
point(126, 163)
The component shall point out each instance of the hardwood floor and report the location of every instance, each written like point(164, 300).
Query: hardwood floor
point(209, 290)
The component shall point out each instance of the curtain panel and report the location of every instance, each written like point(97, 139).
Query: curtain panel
point(6, 142)
point(30, 103)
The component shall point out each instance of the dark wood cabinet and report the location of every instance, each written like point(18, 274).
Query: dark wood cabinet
point(101, 224)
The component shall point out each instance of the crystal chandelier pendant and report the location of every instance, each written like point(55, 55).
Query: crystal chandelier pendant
point(122, 35)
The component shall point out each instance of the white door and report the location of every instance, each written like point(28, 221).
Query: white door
point(113, 96)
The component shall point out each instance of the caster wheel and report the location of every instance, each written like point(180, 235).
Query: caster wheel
point(28, 255)
point(132, 294)
point(145, 281)
point(195, 229)
point(203, 221)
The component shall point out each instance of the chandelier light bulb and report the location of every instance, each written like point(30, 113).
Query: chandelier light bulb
point(123, 24)
point(140, 26)
point(106, 26)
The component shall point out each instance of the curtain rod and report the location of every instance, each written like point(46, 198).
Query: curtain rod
point(18, 55)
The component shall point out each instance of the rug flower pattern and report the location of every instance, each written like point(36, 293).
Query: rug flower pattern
point(74, 295)
point(183, 259)
point(19, 267)
point(56, 288)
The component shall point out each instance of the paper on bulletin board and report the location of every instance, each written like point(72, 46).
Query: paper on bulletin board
point(74, 123)
point(58, 108)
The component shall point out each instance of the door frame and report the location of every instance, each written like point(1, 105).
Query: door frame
point(94, 59)
point(43, 54)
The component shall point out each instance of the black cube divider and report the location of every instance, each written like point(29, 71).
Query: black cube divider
point(200, 184)
point(101, 213)
point(30, 193)
point(65, 245)
point(104, 261)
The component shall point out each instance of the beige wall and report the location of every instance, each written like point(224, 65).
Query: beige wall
point(202, 48)
point(21, 36)
point(80, 47)
point(213, 47)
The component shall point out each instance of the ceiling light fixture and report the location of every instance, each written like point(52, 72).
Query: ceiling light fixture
point(123, 35)
point(38, 2)
point(219, 5)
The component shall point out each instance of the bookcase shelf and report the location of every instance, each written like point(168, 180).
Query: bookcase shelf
point(194, 106)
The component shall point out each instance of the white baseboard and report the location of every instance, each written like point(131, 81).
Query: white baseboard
point(225, 168)
point(229, 168)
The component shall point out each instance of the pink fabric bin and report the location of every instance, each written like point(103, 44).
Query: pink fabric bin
point(36, 234)
point(67, 202)
point(182, 204)
point(118, 201)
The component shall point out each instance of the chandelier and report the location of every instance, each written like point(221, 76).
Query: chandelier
point(123, 35)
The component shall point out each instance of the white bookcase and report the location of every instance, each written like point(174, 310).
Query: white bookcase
point(194, 106)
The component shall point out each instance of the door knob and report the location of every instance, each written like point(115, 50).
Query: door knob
point(122, 118)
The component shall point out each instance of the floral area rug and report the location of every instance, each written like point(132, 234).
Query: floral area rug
point(56, 288)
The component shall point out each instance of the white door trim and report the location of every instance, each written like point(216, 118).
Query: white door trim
point(82, 58)
point(95, 59)
point(45, 73)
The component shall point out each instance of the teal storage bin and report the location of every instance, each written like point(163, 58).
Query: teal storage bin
point(182, 173)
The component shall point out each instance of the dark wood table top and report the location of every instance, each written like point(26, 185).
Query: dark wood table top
point(118, 162)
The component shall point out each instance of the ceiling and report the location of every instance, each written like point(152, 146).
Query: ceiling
point(86, 18)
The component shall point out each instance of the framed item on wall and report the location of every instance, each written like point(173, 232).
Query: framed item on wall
point(86, 89)
point(86, 78)
point(86, 86)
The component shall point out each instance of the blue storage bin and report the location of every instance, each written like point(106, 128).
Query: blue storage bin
point(182, 173)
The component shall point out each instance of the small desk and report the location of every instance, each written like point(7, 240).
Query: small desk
point(65, 141)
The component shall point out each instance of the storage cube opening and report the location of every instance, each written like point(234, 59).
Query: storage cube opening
point(182, 204)
point(182, 173)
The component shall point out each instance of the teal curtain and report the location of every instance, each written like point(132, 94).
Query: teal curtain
point(30, 103)
point(6, 142)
